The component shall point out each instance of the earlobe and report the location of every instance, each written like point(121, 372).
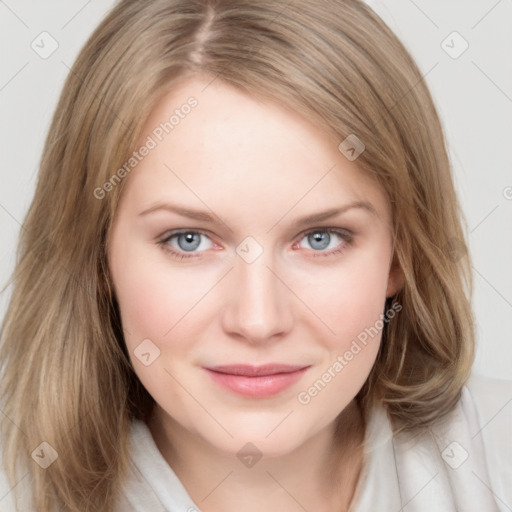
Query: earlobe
point(396, 278)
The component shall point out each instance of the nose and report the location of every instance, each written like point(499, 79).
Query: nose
point(258, 308)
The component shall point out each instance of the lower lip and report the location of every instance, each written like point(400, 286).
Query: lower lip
point(257, 387)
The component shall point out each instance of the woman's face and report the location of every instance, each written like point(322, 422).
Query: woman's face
point(250, 281)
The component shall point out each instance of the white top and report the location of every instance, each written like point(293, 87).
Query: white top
point(464, 465)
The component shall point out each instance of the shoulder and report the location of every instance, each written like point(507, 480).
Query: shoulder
point(489, 392)
point(487, 402)
point(477, 439)
point(7, 492)
point(462, 461)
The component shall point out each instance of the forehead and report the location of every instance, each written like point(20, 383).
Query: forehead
point(232, 148)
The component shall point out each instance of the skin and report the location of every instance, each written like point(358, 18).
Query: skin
point(256, 167)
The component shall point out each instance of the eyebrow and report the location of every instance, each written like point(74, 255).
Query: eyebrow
point(205, 216)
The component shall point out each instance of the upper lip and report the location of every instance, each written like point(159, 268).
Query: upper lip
point(248, 370)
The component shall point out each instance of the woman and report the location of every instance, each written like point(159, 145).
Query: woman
point(237, 285)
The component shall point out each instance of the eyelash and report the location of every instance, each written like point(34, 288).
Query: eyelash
point(345, 235)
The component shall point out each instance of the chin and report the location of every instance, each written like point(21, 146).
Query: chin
point(266, 439)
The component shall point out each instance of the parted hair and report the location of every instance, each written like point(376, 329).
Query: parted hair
point(66, 376)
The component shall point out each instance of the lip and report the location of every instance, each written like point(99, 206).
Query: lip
point(256, 381)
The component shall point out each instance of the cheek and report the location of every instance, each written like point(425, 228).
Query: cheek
point(149, 308)
point(350, 297)
point(152, 300)
point(153, 296)
point(353, 309)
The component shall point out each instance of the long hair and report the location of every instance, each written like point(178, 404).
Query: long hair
point(66, 376)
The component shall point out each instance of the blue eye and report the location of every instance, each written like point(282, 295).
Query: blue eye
point(189, 243)
point(321, 239)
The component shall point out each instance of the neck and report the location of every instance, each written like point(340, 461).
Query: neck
point(319, 475)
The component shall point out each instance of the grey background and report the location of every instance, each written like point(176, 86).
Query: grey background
point(473, 94)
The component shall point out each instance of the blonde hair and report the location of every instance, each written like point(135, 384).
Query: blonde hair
point(67, 378)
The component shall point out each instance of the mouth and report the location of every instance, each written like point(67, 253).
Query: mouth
point(257, 381)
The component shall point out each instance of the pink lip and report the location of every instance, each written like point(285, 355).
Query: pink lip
point(257, 381)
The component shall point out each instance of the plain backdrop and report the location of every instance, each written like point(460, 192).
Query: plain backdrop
point(463, 48)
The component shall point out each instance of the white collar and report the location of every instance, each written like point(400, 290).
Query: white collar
point(399, 473)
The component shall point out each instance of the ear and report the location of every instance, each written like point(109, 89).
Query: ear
point(396, 278)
